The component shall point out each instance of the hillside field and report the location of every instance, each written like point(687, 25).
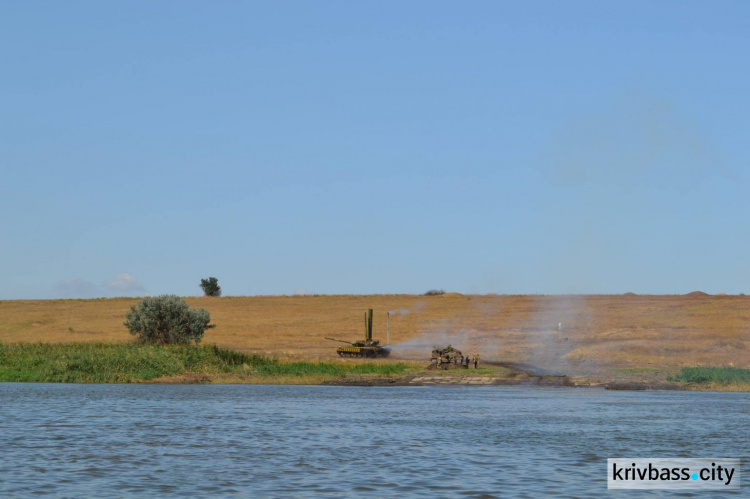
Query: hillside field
point(572, 334)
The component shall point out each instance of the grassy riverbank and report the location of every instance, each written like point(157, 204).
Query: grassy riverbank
point(131, 363)
point(604, 338)
point(714, 378)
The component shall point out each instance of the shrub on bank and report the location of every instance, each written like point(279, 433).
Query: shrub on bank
point(167, 320)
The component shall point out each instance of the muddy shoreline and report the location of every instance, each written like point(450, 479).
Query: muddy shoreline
point(519, 375)
point(555, 381)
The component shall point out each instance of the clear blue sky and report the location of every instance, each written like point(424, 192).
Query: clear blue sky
point(374, 147)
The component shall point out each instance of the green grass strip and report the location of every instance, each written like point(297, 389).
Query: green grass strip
point(131, 363)
point(720, 375)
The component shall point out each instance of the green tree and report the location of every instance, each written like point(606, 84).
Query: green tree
point(167, 319)
point(211, 287)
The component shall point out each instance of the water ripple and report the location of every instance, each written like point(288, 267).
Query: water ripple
point(277, 441)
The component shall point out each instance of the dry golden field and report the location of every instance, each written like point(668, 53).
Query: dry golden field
point(571, 334)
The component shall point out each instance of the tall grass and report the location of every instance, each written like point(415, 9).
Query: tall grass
point(719, 375)
point(233, 358)
point(132, 363)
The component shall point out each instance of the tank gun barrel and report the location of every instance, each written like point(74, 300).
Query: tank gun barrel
point(341, 341)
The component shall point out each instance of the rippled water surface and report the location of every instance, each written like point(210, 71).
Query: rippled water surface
point(286, 441)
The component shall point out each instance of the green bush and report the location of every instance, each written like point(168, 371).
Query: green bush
point(167, 320)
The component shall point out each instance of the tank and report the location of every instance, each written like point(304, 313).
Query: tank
point(446, 358)
point(363, 348)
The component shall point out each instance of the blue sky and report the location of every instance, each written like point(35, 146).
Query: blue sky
point(374, 147)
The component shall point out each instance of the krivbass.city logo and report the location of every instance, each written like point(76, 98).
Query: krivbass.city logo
point(673, 473)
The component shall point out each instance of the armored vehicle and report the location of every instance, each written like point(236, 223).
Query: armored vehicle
point(446, 358)
point(363, 348)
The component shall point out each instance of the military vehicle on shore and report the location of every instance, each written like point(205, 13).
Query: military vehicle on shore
point(363, 348)
point(446, 358)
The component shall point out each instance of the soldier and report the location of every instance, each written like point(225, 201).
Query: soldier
point(476, 361)
point(466, 361)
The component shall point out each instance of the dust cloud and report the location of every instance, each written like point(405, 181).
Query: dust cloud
point(543, 336)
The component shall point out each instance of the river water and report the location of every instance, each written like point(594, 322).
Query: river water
point(314, 441)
